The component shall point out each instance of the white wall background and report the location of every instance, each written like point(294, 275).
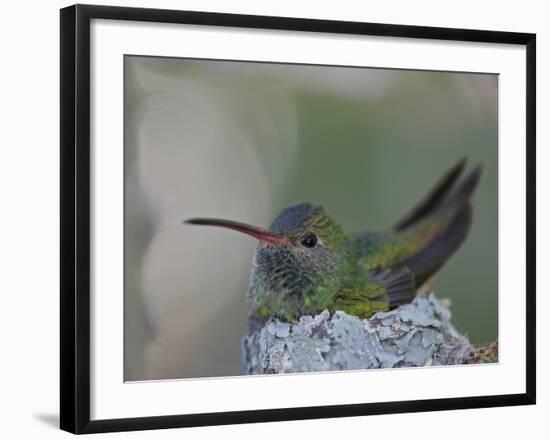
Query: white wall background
point(29, 247)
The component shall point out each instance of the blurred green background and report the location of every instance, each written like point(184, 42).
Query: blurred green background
point(243, 140)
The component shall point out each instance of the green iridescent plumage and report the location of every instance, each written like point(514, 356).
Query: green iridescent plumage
point(306, 263)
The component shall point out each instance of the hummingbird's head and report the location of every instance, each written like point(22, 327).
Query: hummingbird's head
point(301, 250)
point(310, 250)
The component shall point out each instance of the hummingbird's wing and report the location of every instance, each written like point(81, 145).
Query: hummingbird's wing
point(378, 291)
point(398, 283)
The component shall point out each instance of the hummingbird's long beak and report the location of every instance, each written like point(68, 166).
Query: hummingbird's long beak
point(257, 232)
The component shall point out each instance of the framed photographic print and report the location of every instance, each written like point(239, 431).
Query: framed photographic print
point(305, 218)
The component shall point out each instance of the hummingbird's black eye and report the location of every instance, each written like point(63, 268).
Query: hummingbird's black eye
point(309, 240)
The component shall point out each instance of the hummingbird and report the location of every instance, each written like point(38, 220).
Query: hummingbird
point(305, 262)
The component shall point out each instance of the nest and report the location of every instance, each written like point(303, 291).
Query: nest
point(413, 335)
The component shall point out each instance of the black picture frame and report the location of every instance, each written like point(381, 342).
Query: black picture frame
point(75, 217)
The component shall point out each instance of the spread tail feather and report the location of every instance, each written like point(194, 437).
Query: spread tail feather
point(446, 227)
point(434, 198)
point(428, 260)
